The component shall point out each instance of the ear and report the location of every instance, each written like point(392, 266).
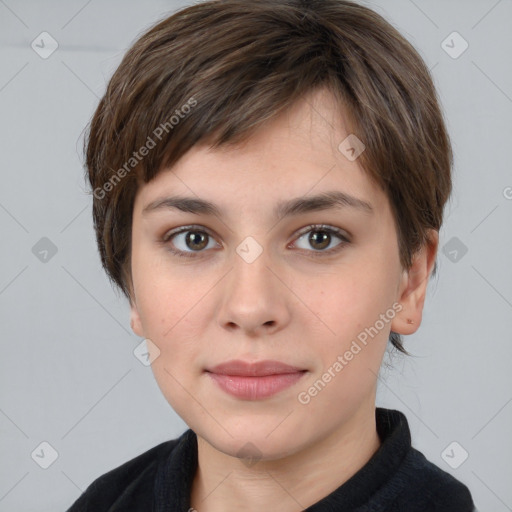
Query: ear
point(135, 322)
point(413, 287)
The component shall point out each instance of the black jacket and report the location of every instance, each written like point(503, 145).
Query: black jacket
point(397, 478)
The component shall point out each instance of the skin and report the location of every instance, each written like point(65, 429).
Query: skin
point(287, 305)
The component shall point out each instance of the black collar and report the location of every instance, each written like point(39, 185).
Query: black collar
point(175, 474)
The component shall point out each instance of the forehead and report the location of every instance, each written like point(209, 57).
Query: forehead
point(294, 154)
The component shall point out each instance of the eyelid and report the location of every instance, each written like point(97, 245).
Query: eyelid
point(192, 227)
point(324, 227)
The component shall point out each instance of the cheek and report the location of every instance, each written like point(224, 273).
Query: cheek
point(353, 298)
point(356, 305)
point(169, 312)
point(166, 294)
point(351, 351)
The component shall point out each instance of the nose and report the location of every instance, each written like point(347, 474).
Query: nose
point(254, 300)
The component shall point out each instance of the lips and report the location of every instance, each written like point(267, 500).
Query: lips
point(257, 369)
point(254, 381)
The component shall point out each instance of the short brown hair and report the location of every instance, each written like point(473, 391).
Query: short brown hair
point(236, 64)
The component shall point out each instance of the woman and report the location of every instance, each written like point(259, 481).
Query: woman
point(269, 179)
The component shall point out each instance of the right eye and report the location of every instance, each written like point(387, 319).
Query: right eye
point(187, 240)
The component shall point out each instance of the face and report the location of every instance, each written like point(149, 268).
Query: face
point(271, 274)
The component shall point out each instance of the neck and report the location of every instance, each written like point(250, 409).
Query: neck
point(225, 483)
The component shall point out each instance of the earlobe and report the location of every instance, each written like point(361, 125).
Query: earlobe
point(135, 322)
point(413, 287)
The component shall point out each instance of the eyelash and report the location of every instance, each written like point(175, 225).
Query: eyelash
point(331, 230)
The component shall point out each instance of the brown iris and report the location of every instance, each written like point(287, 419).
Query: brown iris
point(196, 240)
point(323, 238)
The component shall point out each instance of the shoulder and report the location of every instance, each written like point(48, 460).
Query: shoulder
point(430, 488)
point(127, 486)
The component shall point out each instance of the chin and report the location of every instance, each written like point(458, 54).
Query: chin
point(254, 440)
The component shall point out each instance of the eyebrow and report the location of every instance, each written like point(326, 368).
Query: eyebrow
point(296, 206)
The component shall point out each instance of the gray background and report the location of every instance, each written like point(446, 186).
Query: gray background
point(68, 374)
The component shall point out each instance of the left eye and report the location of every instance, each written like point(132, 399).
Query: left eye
point(321, 238)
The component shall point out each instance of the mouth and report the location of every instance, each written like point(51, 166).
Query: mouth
point(254, 381)
point(256, 369)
